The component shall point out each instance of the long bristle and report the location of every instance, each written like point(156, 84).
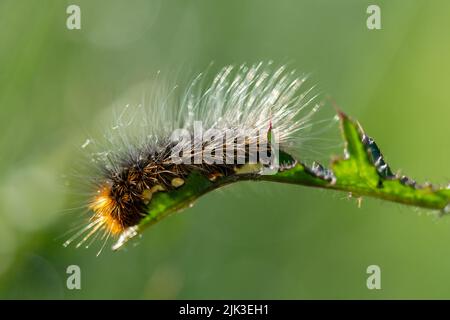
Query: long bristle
point(134, 162)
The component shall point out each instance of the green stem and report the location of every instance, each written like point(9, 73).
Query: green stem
point(391, 190)
point(362, 172)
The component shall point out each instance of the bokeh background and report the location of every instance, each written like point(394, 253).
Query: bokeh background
point(245, 241)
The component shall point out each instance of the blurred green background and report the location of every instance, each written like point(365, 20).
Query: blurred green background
point(247, 240)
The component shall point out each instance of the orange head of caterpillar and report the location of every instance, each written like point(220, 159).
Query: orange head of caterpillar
point(118, 204)
point(121, 198)
point(106, 210)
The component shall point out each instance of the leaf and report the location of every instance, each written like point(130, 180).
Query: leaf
point(358, 173)
point(362, 171)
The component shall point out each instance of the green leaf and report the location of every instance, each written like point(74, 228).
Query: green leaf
point(357, 173)
point(361, 172)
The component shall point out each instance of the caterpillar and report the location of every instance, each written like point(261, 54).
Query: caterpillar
point(248, 122)
point(233, 124)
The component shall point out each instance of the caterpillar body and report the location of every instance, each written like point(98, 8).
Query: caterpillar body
point(246, 114)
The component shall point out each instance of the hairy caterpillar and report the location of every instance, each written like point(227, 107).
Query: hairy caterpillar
point(245, 112)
